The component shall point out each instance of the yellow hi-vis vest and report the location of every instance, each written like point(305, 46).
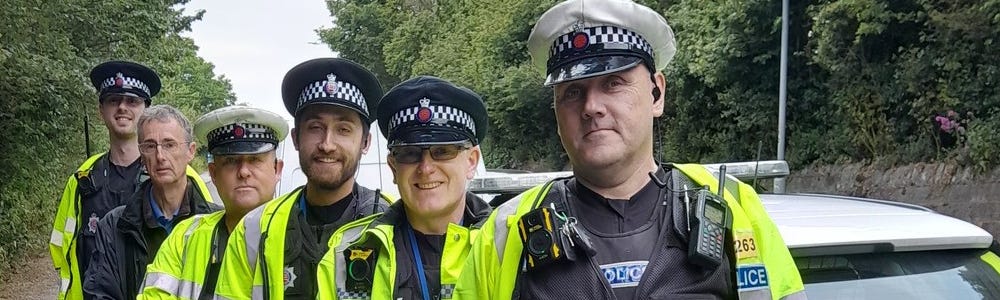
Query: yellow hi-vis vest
point(242, 276)
point(62, 242)
point(765, 269)
point(178, 272)
point(333, 268)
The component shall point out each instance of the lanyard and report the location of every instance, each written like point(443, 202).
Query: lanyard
point(302, 203)
point(418, 262)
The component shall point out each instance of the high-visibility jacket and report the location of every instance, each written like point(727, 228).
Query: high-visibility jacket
point(254, 264)
point(377, 234)
point(765, 268)
point(68, 222)
point(181, 266)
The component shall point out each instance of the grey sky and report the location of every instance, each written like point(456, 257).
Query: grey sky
point(254, 42)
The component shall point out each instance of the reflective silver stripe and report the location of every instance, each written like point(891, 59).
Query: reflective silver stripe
point(172, 285)
point(217, 297)
point(187, 236)
point(800, 295)
point(251, 236)
point(70, 226)
point(56, 238)
point(64, 285)
point(500, 230)
point(258, 292)
point(347, 237)
point(758, 294)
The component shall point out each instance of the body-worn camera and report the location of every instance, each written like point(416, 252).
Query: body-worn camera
point(542, 237)
point(549, 238)
point(360, 268)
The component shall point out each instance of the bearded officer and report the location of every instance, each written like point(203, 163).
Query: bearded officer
point(273, 252)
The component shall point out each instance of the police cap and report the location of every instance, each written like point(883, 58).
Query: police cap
point(331, 81)
point(240, 130)
point(429, 110)
point(579, 39)
point(125, 77)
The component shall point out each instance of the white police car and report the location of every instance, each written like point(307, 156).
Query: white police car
point(858, 248)
point(855, 248)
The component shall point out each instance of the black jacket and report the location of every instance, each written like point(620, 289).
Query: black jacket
point(126, 244)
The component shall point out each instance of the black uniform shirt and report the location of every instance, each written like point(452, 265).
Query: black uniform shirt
point(115, 185)
point(615, 216)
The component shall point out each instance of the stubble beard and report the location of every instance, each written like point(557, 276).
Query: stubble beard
point(330, 181)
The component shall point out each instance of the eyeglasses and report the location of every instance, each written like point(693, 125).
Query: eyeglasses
point(116, 100)
point(414, 154)
point(168, 146)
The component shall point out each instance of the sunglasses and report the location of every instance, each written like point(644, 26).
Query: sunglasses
point(414, 154)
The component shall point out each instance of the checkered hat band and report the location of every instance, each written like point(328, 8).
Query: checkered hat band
point(344, 91)
point(602, 35)
point(346, 295)
point(126, 82)
point(247, 131)
point(454, 117)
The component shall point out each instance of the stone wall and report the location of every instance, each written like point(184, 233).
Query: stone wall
point(955, 191)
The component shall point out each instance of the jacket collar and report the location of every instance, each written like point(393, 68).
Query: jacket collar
point(133, 217)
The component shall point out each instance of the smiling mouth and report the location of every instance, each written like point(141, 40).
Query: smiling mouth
point(326, 160)
point(427, 186)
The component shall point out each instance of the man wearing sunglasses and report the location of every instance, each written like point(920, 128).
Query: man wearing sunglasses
point(273, 252)
point(245, 169)
point(416, 250)
point(129, 236)
point(624, 226)
point(106, 180)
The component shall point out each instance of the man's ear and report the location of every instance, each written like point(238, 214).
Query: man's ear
point(661, 85)
point(392, 166)
point(366, 140)
point(279, 165)
point(211, 170)
point(192, 151)
point(474, 156)
point(295, 138)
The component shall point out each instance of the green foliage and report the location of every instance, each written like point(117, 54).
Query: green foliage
point(865, 77)
point(46, 52)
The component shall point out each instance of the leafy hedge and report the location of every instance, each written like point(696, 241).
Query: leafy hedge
point(47, 48)
point(867, 78)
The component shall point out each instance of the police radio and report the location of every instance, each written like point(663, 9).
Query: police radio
point(709, 224)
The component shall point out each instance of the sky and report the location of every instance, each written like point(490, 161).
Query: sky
point(254, 43)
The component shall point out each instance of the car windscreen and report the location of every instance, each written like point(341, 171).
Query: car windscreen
point(943, 274)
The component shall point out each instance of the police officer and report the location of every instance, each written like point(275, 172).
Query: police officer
point(623, 226)
point(274, 251)
point(104, 181)
point(245, 170)
point(434, 129)
point(129, 236)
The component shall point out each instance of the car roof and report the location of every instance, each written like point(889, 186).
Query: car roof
point(813, 224)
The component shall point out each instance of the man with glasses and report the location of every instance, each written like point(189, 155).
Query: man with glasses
point(245, 170)
point(416, 249)
point(273, 252)
point(129, 236)
point(106, 180)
